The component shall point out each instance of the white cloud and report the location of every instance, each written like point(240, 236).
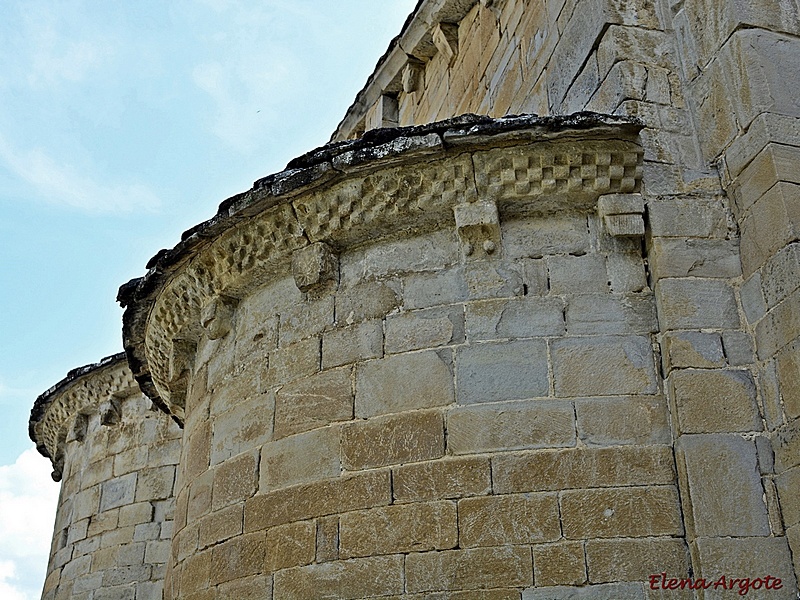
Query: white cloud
point(28, 500)
point(62, 185)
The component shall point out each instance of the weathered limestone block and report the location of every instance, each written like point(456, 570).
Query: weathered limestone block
point(774, 163)
point(577, 274)
point(621, 512)
point(624, 420)
point(244, 426)
point(696, 304)
point(711, 462)
point(524, 317)
point(235, 480)
point(351, 579)
point(405, 528)
point(291, 545)
point(779, 327)
point(427, 328)
point(582, 467)
point(559, 564)
point(300, 458)
point(605, 591)
point(771, 223)
point(682, 349)
point(393, 439)
point(788, 377)
point(780, 275)
point(238, 558)
point(404, 382)
point(676, 257)
point(305, 501)
point(711, 401)
point(611, 314)
point(221, 525)
point(440, 479)
point(610, 365)
point(364, 301)
point(636, 559)
point(347, 345)
point(314, 402)
point(509, 519)
point(510, 426)
point(537, 237)
point(474, 568)
point(490, 372)
point(687, 217)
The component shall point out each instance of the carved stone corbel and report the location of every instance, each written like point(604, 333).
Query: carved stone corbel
point(216, 317)
point(478, 227)
point(412, 75)
point(315, 267)
point(622, 214)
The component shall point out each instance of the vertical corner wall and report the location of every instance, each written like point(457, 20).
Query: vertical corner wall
point(116, 458)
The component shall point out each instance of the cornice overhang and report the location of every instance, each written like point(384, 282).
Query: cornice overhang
point(389, 183)
point(81, 392)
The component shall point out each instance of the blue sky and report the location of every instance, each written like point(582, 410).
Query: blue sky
point(123, 124)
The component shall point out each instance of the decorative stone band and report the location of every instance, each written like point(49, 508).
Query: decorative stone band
point(467, 173)
point(61, 411)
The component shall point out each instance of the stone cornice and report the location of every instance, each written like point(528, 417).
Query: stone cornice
point(390, 183)
point(82, 391)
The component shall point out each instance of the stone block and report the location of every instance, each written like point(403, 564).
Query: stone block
point(766, 128)
point(346, 580)
point(635, 559)
point(294, 361)
point(594, 314)
point(786, 444)
point(605, 591)
point(365, 301)
point(427, 328)
point(559, 564)
point(237, 558)
point(404, 382)
point(534, 276)
point(157, 551)
point(393, 439)
point(492, 279)
point(155, 483)
point(779, 327)
point(648, 46)
point(398, 529)
point(623, 420)
point(300, 458)
point(780, 276)
point(582, 468)
point(541, 236)
point(196, 451)
point(447, 478)
point(346, 345)
point(775, 162)
point(313, 402)
point(788, 483)
point(682, 349)
point(491, 372)
point(327, 539)
point(626, 80)
point(134, 514)
point(715, 401)
point(696, 304)
point(424, 290)
point(738, 347)
point(474, 568)
point(235, 480)
point(621, 512)
point(771, 223)
point(510, 426)
point(718, 508)
point(315, 267)
point(290, 545)
point(516, 318)
point(306, 318)
point(687, 218)
point(221, 525)
point(626, 273)
point(750, 557)
point(115, 493)
point(247, 425)
point(257, 587)
point(576, 275)
point(310, 500)
point(603, 366)
point(200, 490)
point(690, 257)
point(509, 519)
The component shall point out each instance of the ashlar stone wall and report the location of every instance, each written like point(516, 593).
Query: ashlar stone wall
point(116, 458)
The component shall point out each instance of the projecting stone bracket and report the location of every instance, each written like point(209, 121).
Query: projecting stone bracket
point(412, 75)
point(445, 38)
point(216, 317)
point(622, 214)
point(478, 227)
point(315, 268)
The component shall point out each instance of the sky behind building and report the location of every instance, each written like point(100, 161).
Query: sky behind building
point(124, 124)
